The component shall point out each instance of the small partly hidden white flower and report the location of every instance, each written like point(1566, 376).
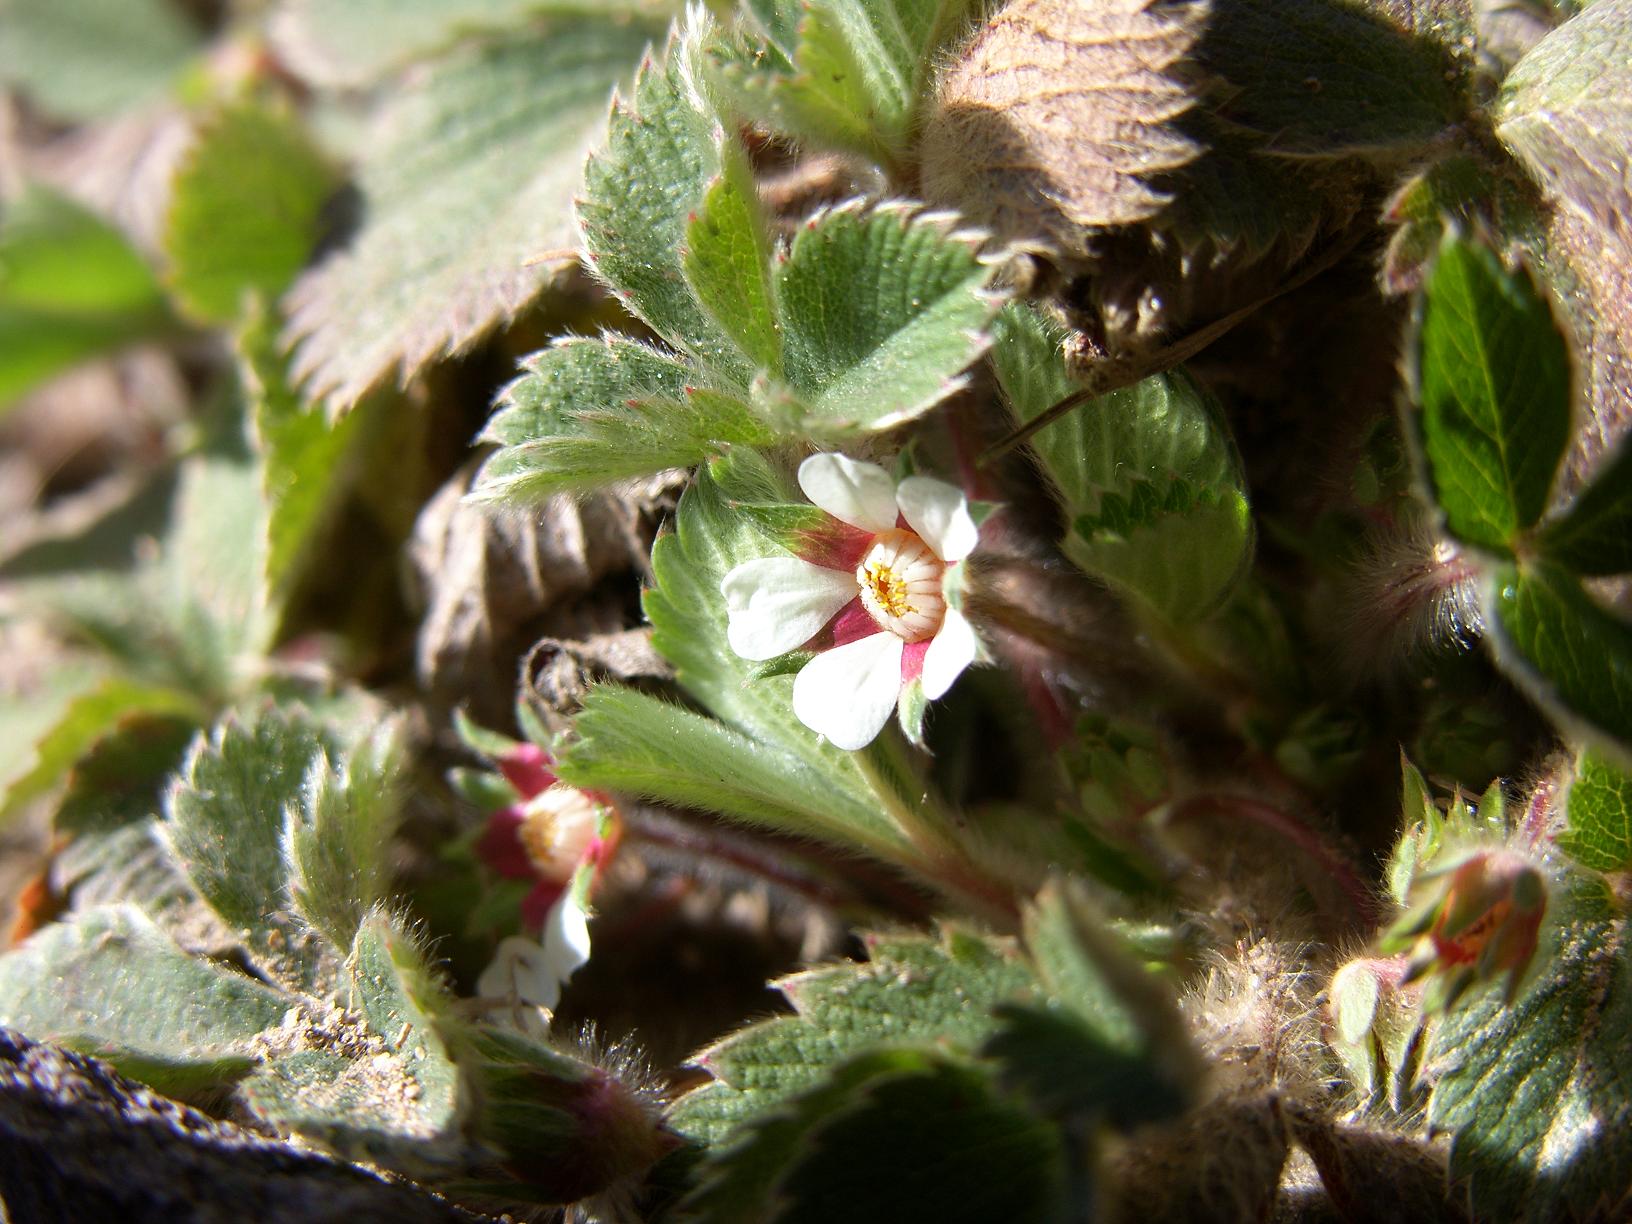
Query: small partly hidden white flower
point(533, 973)
point(874, 598)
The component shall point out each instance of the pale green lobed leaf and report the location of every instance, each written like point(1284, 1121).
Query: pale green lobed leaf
point(1149, 478)
point(468, 178)
point(882, 309)
point(245, 210)
point(842, 74)
point(87, 59)
point(662, 151)
point(71, 288)
point(337, 840)
point(1537, 1095)
point(727, 262)
point(588, 412)
point(914, 990)
point(224, 823)
point(352, 42)
point(108, 982)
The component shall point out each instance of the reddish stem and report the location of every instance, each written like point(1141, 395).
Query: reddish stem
point(1300, 835)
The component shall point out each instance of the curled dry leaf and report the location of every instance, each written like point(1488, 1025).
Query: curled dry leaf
point(1059, 115)
point(492, 582)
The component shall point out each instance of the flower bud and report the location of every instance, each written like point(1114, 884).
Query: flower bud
point(1485, 921)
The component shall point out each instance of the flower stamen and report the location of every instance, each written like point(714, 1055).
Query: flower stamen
point(900, 581)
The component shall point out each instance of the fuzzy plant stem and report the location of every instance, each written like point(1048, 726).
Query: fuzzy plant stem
point(932, 828)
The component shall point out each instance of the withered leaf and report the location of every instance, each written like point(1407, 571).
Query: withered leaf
point(1060, 114)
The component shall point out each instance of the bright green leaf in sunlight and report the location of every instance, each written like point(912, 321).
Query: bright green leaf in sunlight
point(1152, 488)
point(71, 288)
point(841, 74)
point(1493, 394)
point(245, 210)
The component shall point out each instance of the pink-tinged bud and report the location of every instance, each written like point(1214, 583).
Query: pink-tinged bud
point(527, 768)
point(1486, 922)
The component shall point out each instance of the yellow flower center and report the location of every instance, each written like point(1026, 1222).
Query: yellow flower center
point(557, 831)
point(900, 580)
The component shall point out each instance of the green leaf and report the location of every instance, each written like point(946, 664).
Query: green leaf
point(1569, 654)
point(664, 147)
point(384, 1090)
point(592, 411)
point(1110, 1041)
point(402, 999)
point(470, 174)
point(351, 42)
point(303, 456)
point(1149, 478)
point(1538, 1095)
point(736, 1184)
point(1458, 190)
point(224, 822)
point(882, 310)
point(627, 741)
point(915, 990)
point(120, 779)
point(727, 262)
point(939, 1144)
point(110, 983)
point(245, 210)
point(87, 719)
point(1493, 389)
point(338, 840)
point(714, 532)
point(842, 74)
point(1324, 77)
point(71, 288)
point(86, 59)
point(1595, 536)
point(1599, 808)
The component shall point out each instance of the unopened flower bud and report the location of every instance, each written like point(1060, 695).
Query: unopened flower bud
point(1486, 921)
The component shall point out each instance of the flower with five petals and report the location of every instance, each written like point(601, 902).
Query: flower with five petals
point(874, 596)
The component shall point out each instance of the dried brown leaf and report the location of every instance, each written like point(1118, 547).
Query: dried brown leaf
point(1060, 114)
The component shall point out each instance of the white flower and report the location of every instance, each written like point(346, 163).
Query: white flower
point(533, 973)
point(882, 594)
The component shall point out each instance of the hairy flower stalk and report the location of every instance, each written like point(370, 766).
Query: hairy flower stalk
point(874, 597)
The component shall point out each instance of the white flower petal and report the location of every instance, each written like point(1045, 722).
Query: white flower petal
point(775, 604)
point(520, 969)
point(939, 513)
point(847, 693)
point(566, 937)
point(953, 648)
point(861, 494)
